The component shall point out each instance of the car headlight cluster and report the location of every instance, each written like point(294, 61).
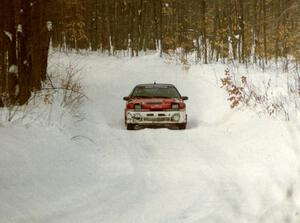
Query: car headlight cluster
point(175, 106)
point(137, 107)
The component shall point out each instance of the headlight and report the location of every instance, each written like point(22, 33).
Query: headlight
point(175, 106)
point(176, 117)
point(137, 107)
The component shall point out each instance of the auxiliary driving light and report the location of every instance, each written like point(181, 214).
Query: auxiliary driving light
point(176, 117)
point(137, 117)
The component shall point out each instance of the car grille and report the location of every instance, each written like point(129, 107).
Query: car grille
point(157, 119)
point(154, 103)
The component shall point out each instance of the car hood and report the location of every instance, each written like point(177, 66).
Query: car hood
point(156, 103)
point(155, 100)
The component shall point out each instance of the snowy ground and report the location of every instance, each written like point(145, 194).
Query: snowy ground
point(228, 166)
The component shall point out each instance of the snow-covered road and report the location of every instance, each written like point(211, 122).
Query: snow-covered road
point(228, 166)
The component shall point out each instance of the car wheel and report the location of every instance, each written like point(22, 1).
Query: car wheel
point(131, 126)
point(181, 126)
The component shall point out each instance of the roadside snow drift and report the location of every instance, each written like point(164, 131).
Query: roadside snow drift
point(228, 166)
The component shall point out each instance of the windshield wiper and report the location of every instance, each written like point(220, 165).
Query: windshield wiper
point(153, 96)
point(162, 97)
point(142, 96)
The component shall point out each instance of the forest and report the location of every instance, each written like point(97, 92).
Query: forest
point(247, 31)
point(150, 111)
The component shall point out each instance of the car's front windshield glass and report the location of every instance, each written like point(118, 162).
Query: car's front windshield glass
point(155, 92)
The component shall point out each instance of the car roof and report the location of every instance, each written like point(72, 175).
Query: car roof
point(155, 85)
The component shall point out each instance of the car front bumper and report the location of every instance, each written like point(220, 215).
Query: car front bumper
point(155, 117)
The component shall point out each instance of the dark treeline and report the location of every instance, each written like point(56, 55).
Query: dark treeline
point(245, 30)
point(24, 43)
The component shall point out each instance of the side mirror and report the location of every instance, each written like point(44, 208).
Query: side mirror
point(184, 98)
point(126, 98)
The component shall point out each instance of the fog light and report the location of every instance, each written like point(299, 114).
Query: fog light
point(176, 117)
point(137, 117)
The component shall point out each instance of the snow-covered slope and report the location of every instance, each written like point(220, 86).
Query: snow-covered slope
point(228, 166)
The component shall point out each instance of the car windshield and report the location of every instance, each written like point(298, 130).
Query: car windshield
point(155, 92)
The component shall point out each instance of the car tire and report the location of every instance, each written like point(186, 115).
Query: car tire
point(181, 126)
point(131, 126)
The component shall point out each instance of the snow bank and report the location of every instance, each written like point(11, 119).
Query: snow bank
point(228, 166)
point(272, 89)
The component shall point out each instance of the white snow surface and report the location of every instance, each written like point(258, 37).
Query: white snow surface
point(228, 166)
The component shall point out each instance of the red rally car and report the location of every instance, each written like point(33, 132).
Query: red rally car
point(155, 105)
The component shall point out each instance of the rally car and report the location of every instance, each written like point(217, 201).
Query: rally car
point(155, 105)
